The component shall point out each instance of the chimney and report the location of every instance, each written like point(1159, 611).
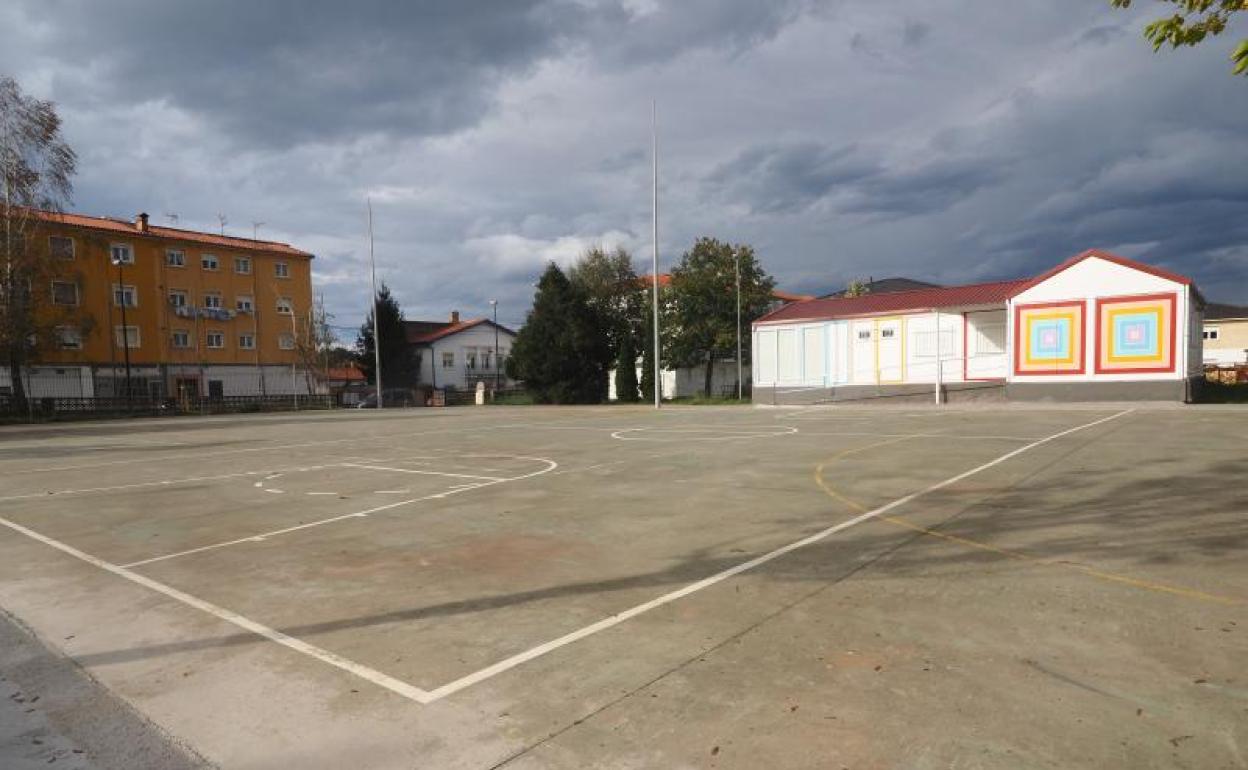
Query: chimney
point(141, 222)
point(454, 316)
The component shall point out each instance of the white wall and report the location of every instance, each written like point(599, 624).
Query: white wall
point(1094, 278)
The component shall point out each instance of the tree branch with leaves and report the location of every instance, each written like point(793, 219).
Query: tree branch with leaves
point(1192, 22)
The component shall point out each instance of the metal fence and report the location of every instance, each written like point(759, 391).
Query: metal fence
point(52, 408)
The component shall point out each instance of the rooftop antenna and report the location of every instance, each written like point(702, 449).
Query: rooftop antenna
point(255, 230)
point(173, 218)
point(221, 218)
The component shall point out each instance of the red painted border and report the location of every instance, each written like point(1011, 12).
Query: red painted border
point(1174, 322)
point(966, 355)
point(1083, 336)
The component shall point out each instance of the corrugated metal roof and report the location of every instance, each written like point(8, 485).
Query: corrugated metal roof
point(917, 300)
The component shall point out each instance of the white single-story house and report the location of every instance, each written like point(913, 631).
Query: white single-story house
point(1225, 335)
point(1096, 327)
point(458, 354)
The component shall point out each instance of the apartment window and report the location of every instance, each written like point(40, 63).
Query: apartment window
point(64, 293)
point(121, 254)
point(177, 297)
point(180, 338)
point(286, 341)
point(285, 306)
point(175, 258)
point(1210, 334)
point(243, 303)
point(61, 247)
point(242, 265)
point(281, 269)
point(448, 360)
point(212, 300)
point(127, 336)
point(69, 337)
point(124, 296)
point(215, 339)
point(247, 341)
point(209, 262)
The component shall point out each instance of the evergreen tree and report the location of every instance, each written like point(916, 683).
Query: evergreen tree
point(400, 365)
point(626, 372)
point(561, 353)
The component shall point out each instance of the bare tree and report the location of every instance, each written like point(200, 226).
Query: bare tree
point(313, 341)
point(35, 169)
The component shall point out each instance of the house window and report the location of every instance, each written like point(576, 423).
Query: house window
point(121, 254)
point(470, 359)
point(209, 262)
point(69, 337)
point(175, 258)
point(286, 341)
point(448, 360)
point(127, 336)
point(285, 306)
point(61, 247)
point(281, 269)
point(64, 293)
point(212, 300)
point(887, 333)
point(247, 341)
point(124, 296)
point(177, 297)
point(1210, 334)
point(243, 303)
point(215, 339)
point(180, 338)
point(242, 265)
point(990, 340)
point(485, 360)
point(864, 334)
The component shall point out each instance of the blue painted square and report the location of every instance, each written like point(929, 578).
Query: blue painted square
point(1050, 339)
point(1135, 334)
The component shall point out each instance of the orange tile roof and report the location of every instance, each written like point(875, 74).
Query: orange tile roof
point(349, 373)
point(131, 230)
point(914, 300)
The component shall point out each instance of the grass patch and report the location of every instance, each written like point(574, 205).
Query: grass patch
point(709, 401)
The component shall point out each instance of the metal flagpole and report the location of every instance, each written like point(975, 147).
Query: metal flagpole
point(654, 140)
point(372, 262)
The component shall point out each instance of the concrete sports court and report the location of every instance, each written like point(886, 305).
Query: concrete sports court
point(613, 587)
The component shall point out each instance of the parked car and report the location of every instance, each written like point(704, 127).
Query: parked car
point(392, 397)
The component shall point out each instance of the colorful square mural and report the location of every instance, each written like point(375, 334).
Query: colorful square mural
point(1135, 334)
point(1048, 338)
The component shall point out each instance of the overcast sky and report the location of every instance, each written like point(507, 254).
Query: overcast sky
point(950, 140)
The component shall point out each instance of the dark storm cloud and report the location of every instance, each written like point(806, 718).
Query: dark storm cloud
point(789, 179)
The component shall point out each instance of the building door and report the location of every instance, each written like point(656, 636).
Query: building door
point(216, 389)
point(188, 388)
point(862, 352)
point(890, 350)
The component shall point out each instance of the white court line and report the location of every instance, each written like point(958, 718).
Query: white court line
point(426, 473)
point(919, 435)
point(551, 465)
point(726, 434)
point(162, 483)
point(615, 620)
point(247, 624)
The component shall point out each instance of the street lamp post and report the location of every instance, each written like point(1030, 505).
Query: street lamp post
point(736, 265)
point(494, 308)
point(125, 329)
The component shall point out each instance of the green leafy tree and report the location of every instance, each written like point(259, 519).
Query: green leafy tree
point(36, 166)
point(1193, 21)
point(703, 307)
point(400, 365)
point(647, 355)
point(561, 353)
point(612, 289)
point(857, 289)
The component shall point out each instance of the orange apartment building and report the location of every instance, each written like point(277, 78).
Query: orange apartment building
point(204, 314)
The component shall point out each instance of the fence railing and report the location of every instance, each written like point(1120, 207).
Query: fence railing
point(69, 408)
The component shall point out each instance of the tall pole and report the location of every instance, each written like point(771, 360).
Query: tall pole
point(372, 267)
point(736, 264)
point(294, 373)
point(494, 307)
point(654, 141)
point(125, 329)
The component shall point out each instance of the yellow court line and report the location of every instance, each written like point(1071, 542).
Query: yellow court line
point(897, 521)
